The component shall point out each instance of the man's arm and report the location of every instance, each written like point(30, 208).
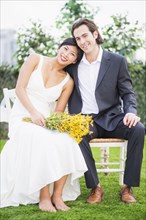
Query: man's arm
point(128, 96)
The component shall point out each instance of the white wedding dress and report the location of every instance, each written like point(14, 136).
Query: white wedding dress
point(34, 156)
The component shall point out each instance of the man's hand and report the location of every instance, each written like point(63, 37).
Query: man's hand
point(130, 119)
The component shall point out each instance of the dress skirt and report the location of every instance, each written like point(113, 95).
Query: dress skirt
point(35, 157)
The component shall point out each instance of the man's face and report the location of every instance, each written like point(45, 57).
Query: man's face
point(85, 39)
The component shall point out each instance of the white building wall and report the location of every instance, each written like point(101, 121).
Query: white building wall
point(8, 46)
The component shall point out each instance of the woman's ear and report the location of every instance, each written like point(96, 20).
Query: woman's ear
point(74, 61)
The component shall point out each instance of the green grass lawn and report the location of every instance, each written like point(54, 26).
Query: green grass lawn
point(110, 209)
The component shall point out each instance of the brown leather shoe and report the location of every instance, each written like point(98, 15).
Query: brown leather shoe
point(126, 195)
point(96, 195)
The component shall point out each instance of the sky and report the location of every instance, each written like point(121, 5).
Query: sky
point(16, 13)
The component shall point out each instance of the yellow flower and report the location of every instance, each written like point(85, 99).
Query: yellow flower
point(75, 125)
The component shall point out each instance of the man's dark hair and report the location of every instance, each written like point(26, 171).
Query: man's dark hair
point(91, 26)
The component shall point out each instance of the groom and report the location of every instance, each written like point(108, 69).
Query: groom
point(102, 87)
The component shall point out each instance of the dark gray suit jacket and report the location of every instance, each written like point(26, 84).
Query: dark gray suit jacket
point(113, 85)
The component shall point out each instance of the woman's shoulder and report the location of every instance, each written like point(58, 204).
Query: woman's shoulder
point(70, 81)
point(35, 55)
point(34, 58)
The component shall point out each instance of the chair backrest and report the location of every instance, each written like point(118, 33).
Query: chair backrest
point(9, 98)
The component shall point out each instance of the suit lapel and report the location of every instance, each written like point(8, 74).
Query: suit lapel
point(105, 63)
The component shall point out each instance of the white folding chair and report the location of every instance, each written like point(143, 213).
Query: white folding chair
point(104, 144)
point(7, 102)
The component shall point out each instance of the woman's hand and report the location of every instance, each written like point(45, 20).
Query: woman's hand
point(37, 118)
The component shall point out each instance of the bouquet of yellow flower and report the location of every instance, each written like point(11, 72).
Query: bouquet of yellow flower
point(75, 125)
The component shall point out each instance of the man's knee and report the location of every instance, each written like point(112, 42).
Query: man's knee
point(139, 129)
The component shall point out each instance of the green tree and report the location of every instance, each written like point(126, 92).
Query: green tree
point(70, 12)
point(35, 39)
point(122, 37)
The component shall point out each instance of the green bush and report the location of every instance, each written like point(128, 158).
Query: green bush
point(8, 75)
point(138, 75)
point(34, 39)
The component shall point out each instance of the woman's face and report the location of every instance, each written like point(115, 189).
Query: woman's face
point(67, 54)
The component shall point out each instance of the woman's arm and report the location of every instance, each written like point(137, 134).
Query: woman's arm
point(25, 72)
point(63, 99)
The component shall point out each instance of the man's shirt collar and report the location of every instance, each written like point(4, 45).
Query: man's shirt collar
point(99, 57)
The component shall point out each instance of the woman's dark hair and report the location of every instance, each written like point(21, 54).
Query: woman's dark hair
point(90, 24)
point(71, 41)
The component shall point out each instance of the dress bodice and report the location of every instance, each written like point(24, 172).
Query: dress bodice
point(37, 89)
point(41, 97)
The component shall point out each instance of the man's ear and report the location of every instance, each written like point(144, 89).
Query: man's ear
point(95, 34)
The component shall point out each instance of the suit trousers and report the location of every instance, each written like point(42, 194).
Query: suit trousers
point(135, 137)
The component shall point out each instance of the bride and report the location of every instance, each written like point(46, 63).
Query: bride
point(39, 165)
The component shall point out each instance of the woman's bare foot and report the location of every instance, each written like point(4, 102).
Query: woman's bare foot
point(59, 204)
point(46, 205)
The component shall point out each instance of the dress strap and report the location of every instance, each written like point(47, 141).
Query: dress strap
point(65, 80)
point(40, 62)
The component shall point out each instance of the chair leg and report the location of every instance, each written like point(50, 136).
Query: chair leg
point(122, 162)
point(104, 157)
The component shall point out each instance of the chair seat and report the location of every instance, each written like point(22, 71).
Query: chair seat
point(105, 140)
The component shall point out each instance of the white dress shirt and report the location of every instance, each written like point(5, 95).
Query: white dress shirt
point(87, 76)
